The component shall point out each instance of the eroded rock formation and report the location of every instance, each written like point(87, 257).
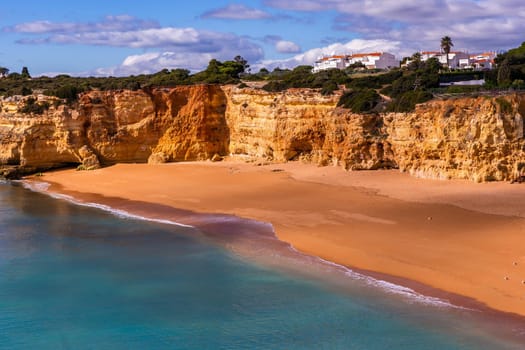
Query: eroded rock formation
point(471, 138)
point(479, 139)
point(183, 123)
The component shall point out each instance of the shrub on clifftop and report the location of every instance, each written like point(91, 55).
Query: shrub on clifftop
point(302, 77)
point(31, 106)
point(360, 101)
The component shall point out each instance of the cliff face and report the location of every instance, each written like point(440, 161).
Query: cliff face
point(184, 123)
point(278, 126)
point(478, 138)
point(302, 124)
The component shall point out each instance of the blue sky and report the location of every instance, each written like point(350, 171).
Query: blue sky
point(130, 37)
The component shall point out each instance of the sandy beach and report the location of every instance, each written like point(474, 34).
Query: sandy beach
point(456, 236)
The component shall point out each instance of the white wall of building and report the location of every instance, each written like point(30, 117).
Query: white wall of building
point(332, 62)
point(375, 60)
point(455, 59)
point(387, 61)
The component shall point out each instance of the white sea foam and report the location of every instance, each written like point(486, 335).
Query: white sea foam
point(42, 187)
point(35, 186)
point(409, 294)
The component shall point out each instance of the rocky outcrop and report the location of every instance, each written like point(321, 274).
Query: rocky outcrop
point(480, 139)
point(357, 142)
point(303, 124)
point(278, 126)
point(183, 123)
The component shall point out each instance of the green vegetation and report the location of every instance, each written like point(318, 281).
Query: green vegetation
point(510, 71)
point(446, 45)
point(360, 101)
point(302, 77)
point(413, 86)
point(217, 72)
point(397, 90)
point(461, 75)
point(67, 92)
point(31, 106)
point(407, 101)
point(360, 86)
point(25, 73)
point(406, 88)
point(68, 88)
point(463, 89)
point(375, 81)
point(504, 105)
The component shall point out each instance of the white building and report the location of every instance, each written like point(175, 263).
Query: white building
point(456, 60)
point(330, 62)
point(373, 60)
point(482, 61)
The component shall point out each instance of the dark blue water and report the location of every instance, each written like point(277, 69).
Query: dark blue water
point(79, 278)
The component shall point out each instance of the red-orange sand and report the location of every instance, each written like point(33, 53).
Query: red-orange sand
point(457, 236)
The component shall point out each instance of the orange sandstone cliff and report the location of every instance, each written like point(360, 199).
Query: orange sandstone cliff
point(480, 139)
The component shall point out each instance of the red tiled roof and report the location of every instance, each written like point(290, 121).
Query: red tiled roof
point(326, 58)
point(376, 54)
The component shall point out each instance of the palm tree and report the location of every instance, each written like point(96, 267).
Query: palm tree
point(446, 45)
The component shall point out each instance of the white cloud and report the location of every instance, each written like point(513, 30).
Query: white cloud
point(300, 5)
point(284, 46)
point(310, 56)
point(236, 11)
point(146, 38)
point(109, 23)
point(472, 24)
point(175, 47)
point(127, 31)
point(152, 62)
point(155, 61)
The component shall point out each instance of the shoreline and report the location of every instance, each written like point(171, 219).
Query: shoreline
point(362, 188)
point(212, 226)
point(510, 326)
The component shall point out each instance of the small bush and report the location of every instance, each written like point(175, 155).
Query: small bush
point(25, 91)
point(407, 101)
point(329, 87)
point(67, 92)
point(275, 86)
point(360, 101)
point(31, 106)
point(462, 89)
point(504, 105)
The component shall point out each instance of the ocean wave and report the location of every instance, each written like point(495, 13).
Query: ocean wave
point(34, 186)
point(391, 288)
point(42, 187)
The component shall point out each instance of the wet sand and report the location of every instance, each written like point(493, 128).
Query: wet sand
point(454, 236)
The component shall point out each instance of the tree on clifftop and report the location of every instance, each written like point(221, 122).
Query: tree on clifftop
point(4, 72)
point(446, 46)
point(245, 66)
point(25, 73)
point(218, 72)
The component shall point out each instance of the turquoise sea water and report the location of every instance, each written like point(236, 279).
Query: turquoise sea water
point(73, 277)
